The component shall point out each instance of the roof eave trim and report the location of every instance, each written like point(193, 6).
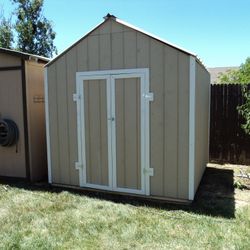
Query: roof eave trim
point(14, 53)
point(23, 55)
point(159, 39)
point(153, 36)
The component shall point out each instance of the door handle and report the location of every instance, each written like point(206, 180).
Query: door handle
point(111, 119)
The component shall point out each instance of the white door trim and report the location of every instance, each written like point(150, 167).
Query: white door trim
point(112, 72)
point(81, 164)
point(46, 94)
point(109, 126)
point(144, 176)
point(192, 64)
point(113, 130)
point(110, 76)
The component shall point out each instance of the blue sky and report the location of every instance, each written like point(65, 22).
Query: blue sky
point(217, 30)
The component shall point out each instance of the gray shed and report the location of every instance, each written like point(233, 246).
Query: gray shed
point(22, 116)
point(127, 112)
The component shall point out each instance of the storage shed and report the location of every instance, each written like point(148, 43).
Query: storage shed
point(127, 112)
point(22, 116)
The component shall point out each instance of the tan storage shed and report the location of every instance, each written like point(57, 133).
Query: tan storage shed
point(127, 112)
point(22, 103)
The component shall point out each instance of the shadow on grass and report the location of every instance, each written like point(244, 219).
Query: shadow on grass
point(215, 196)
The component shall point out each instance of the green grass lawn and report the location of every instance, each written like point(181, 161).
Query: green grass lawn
point(44, 218)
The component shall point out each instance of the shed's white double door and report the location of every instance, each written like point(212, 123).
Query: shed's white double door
point(113, 126)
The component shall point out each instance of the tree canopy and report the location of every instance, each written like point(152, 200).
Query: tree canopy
point(34, 32)
point(244, 110)
point(6, 34)
point(242, 75)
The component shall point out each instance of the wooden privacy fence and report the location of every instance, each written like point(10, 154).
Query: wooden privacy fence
point(228, 141)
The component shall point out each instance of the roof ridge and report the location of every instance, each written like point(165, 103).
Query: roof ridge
point(109, 16)
point(115, 19)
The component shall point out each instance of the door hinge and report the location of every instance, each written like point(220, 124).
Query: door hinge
point(78, 165)
point(149, 96)
point(76, 97)
point(149, 171)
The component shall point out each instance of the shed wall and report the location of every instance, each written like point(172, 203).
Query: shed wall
point(114, 46)
point(36, 119)
point(12, 159)
point(202, 111)
point(9, 61)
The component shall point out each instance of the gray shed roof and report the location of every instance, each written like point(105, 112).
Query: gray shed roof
point(114, 18)
point(24, 55)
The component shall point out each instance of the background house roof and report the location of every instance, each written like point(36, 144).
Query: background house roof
point(24, 55)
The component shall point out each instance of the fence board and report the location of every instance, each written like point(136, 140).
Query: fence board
point(228, 141)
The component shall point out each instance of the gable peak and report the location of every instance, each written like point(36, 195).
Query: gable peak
point(109, 16)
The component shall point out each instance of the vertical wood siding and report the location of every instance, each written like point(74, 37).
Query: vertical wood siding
point(171, 106)
point(72, 126)
point(53, 125)
point(12, 159)
point(201, 122)
point(114, 46)
point(96, 135)
point(36, 120)
point(183, 124)
point(63, 131)
point(128, 129)
point(9, 60)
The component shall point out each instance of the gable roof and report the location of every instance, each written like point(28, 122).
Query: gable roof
point(114, 18)
point(25, 56)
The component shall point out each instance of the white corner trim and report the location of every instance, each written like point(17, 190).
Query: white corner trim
point(46, 94)
point(149, 97)
point(209, 110)
point(191, 164)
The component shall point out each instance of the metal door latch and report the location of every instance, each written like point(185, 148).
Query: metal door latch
point(149, 96)
point(149, 171)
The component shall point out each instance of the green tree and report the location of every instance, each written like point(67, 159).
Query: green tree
point(231, 76)
point(34, 32)
point(242, 76)
point(244, 110)
point(6, 34)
